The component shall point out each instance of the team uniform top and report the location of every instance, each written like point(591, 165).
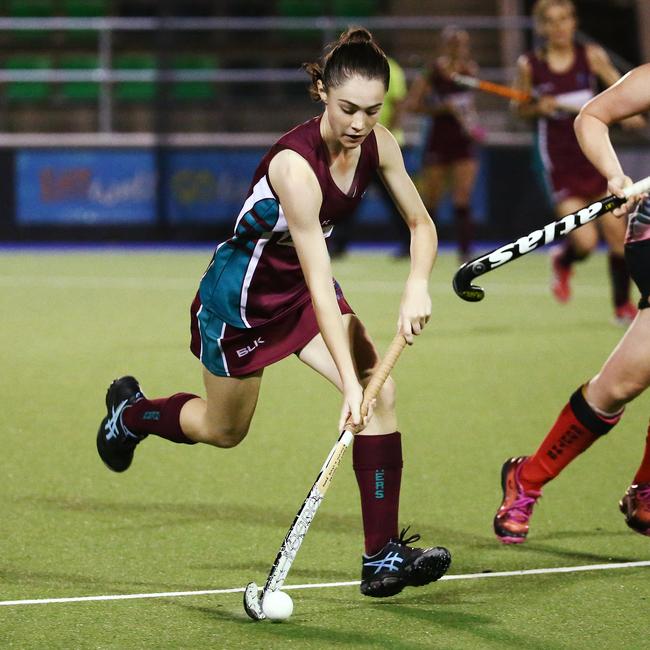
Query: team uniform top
point(253, 306)
point(255, 276)
point(571, 174)
point(448, 140)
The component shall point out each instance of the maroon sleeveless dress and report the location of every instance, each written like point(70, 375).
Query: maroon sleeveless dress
point(253, 306)
point(447, 141)
point(567, 170)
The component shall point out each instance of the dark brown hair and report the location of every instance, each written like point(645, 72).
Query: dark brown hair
point(354, 53)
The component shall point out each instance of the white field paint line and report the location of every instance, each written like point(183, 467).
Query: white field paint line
point(191, 284)
point(325, 585)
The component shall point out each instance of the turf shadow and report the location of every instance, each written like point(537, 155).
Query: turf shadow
point(299, 630)
point(166, 514)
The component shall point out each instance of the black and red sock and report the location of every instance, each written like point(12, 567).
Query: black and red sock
point(377, 462)
point(158, 417)
point(576, 429)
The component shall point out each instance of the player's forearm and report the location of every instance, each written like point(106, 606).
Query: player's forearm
point(328, 316)
point(424, 246)
point(593, 137)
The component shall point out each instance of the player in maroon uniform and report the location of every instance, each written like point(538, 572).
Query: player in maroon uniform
point(450, 155)
point(562, 75)
point(268, 293)
point(598, 405)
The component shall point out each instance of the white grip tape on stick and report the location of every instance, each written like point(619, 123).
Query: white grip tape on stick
point(640, 187)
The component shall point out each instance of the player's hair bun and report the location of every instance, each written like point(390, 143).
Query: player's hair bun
point(355, 35)
point(354, 52)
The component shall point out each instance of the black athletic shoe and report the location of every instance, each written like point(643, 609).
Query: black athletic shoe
point(397, 566)
point(115, 443)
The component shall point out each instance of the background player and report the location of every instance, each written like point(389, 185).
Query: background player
point(268, 292)
point(598, 405)
point(449, 157)
point(565, 72)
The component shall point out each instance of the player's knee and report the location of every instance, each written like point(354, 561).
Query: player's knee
point(625, 391)
point(226, 437)
point(386, 397)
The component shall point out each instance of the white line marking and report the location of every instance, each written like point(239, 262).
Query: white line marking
point(324, 585)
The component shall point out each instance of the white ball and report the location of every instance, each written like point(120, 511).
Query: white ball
point(277, 606)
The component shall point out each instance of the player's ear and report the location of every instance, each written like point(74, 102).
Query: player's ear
point(320, 88)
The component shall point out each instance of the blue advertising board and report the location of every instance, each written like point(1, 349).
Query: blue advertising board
point(208, 186)
point(85, 187)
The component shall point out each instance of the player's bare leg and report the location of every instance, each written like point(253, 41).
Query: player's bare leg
point(463, 177)
point(389, 563)
point(591, 412)
point(613, 230)
point(222, 419)
point(576, 247)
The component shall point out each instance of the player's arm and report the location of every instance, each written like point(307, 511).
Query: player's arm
point(417, 100)
point(601, 65)
point(545, 105)
point(300, 197)
point(415, 307)
point(627, 97)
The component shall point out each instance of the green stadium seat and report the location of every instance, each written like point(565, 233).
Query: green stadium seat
point(84, 9)
point(31, 9)
point(28, 91)
point(302, 9)
point(354, 7)
point(193, 90)
point(135, 91)
point(79, 91)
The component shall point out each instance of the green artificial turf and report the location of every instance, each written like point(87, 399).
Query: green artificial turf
point(485, 381)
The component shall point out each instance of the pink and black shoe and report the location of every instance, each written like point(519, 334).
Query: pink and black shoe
point(511, 520)
point(635, 505)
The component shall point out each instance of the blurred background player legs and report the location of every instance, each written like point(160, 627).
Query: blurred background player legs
point(580, 244)
point(450, 157)
point(563, 75)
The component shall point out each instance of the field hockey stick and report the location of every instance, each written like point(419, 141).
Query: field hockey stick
point(294, 537)
point(504, 91)
point(553, 231)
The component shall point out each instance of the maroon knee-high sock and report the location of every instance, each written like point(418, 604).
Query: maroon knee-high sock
point(576, 429)
point(569, 255)
point(465, 228)
point(159, 417)
point(620, 276)
point(643, 473)
point(377, 462)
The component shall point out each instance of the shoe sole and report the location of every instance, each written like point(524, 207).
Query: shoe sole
point(429, 569)
point(103, 452)
point(503, 535)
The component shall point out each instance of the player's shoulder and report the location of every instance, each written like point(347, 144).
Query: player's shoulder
point(387, 146)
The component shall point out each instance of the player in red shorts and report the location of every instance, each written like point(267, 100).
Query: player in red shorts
point(563, 76)
point(597, 405)
point(450, 155)
point(268, 293)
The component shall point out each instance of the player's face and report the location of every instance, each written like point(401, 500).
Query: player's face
point(558, 25)
point(353, 109)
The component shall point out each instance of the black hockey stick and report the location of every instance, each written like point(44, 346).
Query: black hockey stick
point(551, 232)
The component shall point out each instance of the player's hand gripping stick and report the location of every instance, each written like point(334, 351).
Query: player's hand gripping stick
point(553, 231)
point(294, 537)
